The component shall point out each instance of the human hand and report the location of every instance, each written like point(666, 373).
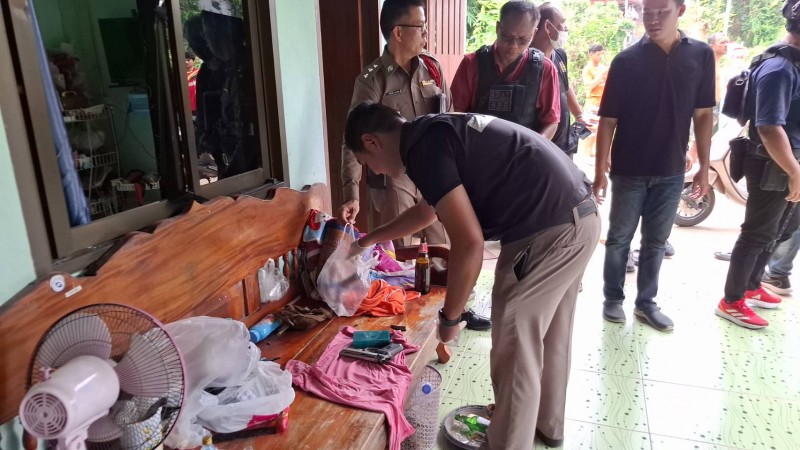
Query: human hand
point(700, 183)
point(356, 249)
point(449, 334)
point(599, 187)
point(794, 188)
point(348, 213)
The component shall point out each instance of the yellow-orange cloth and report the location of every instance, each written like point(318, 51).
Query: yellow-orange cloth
point(384, 300)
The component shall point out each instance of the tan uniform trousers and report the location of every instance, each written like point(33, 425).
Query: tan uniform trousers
point(399, 195)
point(532, 332)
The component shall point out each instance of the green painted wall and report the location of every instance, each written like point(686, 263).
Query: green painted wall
point(16, 265)
point(299, 81)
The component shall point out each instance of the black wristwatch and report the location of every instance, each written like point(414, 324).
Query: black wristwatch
point(448, 322)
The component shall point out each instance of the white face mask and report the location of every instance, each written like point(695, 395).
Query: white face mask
point(560, 41)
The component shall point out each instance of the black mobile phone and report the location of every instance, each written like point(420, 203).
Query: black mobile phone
point(521, 262)
point(581, 130)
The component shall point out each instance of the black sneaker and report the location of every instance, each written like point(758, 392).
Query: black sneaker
point(778, 285)
point(630, 266)
point(669, 251)
point(613, 312)
point(476, 321)
point(655, 318)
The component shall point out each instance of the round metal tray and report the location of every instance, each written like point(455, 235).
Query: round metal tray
point(451, 428)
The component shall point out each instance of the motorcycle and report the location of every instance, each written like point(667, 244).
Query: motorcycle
point(693, 211)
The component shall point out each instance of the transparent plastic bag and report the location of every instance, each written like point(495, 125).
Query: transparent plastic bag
point(266, 391)
point(216, 353)
point(272, 284)
point(344, 281)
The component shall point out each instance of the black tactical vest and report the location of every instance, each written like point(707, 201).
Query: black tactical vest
point(514, 101)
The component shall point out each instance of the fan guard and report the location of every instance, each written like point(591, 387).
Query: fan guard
point(142, 353)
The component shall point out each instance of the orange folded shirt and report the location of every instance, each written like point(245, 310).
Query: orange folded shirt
point(384, 299)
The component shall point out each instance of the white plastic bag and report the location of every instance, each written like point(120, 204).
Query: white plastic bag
point(344, 282)
point(266, 391)
point(216, 353)
point(272, 284)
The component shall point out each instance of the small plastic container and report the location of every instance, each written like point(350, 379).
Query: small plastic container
point(365, 339)
point(263, 329)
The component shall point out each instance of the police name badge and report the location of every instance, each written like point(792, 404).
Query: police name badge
point(394, 92)
point(424, 83)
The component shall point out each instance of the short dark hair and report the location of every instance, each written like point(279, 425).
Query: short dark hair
point(393, 11)
point(596, 48)
point(190, 54)
point(547, 12)
point(369, 117)
point(519, 7)
point(791, 12)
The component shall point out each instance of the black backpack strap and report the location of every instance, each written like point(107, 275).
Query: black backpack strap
point(533, 78)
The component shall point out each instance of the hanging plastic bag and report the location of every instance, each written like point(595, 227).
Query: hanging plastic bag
point(344, 281)
point(266, 391)
point(272, 284)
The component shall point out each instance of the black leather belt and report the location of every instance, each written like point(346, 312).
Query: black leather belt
point(585, 208)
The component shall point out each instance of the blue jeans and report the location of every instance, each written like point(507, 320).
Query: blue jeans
point(655, 200)
point(782, 260)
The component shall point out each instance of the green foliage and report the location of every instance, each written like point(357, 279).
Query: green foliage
point(757, 22)
point(589, 24)
point(482, 16)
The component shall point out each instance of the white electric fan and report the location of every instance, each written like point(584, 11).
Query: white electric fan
point(104, 377)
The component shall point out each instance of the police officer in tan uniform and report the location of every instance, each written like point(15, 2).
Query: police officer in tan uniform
point(411, 82)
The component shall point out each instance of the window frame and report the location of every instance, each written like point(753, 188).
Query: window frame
point(35, 164)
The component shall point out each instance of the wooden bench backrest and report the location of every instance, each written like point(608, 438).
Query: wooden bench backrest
point(203, 262)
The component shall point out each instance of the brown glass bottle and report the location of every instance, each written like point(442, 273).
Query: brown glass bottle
point(422, 269)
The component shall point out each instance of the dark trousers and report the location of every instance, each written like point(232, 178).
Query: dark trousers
point(763, 218)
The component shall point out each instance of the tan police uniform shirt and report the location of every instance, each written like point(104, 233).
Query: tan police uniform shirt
point(383, 81)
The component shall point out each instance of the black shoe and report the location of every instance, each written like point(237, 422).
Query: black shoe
point(723, 256)
point(630, 266)
point(669, 251)
point(476, 321)
point(655, 318)
point(549, 442)
point(779, 285)
point(613, 312)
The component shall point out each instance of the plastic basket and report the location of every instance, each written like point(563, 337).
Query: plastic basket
point(422, 411)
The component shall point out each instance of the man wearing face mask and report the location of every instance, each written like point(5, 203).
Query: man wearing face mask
point(509, 80)
point(550, 38)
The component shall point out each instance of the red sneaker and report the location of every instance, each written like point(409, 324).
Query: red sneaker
point(762, 298)
point(740, 314)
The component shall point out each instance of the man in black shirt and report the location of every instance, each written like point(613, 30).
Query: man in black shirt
point(490, 179)
point(655, 88)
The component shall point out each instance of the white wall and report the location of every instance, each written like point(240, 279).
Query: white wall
point(299, 80)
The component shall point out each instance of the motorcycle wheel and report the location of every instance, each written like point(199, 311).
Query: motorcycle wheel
point(693, 211)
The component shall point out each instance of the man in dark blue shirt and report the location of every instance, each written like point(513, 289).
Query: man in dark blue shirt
point(773, 108)
point(654, 90)
point(489, 179)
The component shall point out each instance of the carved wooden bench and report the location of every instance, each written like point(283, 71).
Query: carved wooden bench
point(205, 262)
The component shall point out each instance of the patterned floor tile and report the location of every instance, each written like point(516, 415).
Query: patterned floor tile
point(478, 342)
point(607, 353)
point(608, 400)
point(585, 436)
point(750, 373)
point(471, 380)
point(447, 370)
point(669, 443)
point(720, 417)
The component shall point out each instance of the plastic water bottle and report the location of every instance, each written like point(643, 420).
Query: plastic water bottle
point(262, 329)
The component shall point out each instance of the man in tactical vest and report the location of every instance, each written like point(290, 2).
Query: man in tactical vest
point(550, 37)
point(509, 80)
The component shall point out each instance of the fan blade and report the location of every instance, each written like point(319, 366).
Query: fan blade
point(143, 370)
point(81, 334)
point(103, 430)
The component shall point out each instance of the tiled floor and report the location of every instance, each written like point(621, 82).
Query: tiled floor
point(708, 384)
